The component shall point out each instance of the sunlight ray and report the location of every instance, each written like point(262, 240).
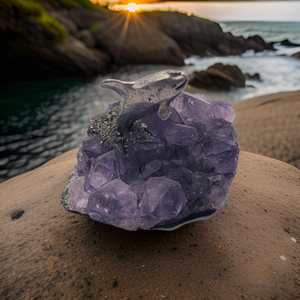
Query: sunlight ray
point(122, 37)
point(118, 20)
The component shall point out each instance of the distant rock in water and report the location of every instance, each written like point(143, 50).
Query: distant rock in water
point(218, 77)
point(296, 55)
point(286, 42)
point(255, 76)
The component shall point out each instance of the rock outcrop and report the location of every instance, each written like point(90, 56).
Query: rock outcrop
point(89, 41)
point(200, 36)
point(29, 51)
point(218, 77)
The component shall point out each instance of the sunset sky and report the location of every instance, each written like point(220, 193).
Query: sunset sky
point(230, 11)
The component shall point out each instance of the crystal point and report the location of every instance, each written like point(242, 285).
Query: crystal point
point(163, 198)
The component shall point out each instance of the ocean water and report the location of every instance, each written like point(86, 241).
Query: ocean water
point(39, 121)
point(269, 31)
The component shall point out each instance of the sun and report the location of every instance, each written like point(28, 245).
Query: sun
point(132, 7)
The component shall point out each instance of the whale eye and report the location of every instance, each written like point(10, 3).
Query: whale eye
point(174, 85)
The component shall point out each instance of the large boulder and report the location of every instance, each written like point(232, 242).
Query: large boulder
point(246, 251)
point(218, 77)
point(200, 36)
point(131, 41)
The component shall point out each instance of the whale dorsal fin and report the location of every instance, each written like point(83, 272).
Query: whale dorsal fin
point(121, 87)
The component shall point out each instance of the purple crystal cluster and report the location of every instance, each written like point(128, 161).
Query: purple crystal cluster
point(179, 173)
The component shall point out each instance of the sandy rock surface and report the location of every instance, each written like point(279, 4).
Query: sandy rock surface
point(270, 125)
point(49, 252)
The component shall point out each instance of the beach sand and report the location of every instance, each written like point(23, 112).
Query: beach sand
point(270, 125)
point(246, 251)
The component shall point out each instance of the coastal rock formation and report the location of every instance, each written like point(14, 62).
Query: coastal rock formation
point(63, 17)
point(247, 251)
point(200, 36)
point(94, 39)
point(286, 42)
point(29, 51)
point(218, 77)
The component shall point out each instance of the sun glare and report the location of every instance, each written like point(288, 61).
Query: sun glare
point(132, 7)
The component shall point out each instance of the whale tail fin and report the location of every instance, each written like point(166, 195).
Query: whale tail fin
point(117, 85)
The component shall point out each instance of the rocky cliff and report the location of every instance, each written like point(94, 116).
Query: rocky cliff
point(55, 40)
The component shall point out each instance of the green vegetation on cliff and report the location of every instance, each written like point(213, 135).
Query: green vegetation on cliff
point(70, 3)
point(95, 28)
point(33, 9)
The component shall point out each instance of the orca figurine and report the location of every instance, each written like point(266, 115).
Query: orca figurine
point(146, 95)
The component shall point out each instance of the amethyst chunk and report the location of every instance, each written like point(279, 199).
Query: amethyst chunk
point(113, 201)
point(159, 159)
point(177, 134)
